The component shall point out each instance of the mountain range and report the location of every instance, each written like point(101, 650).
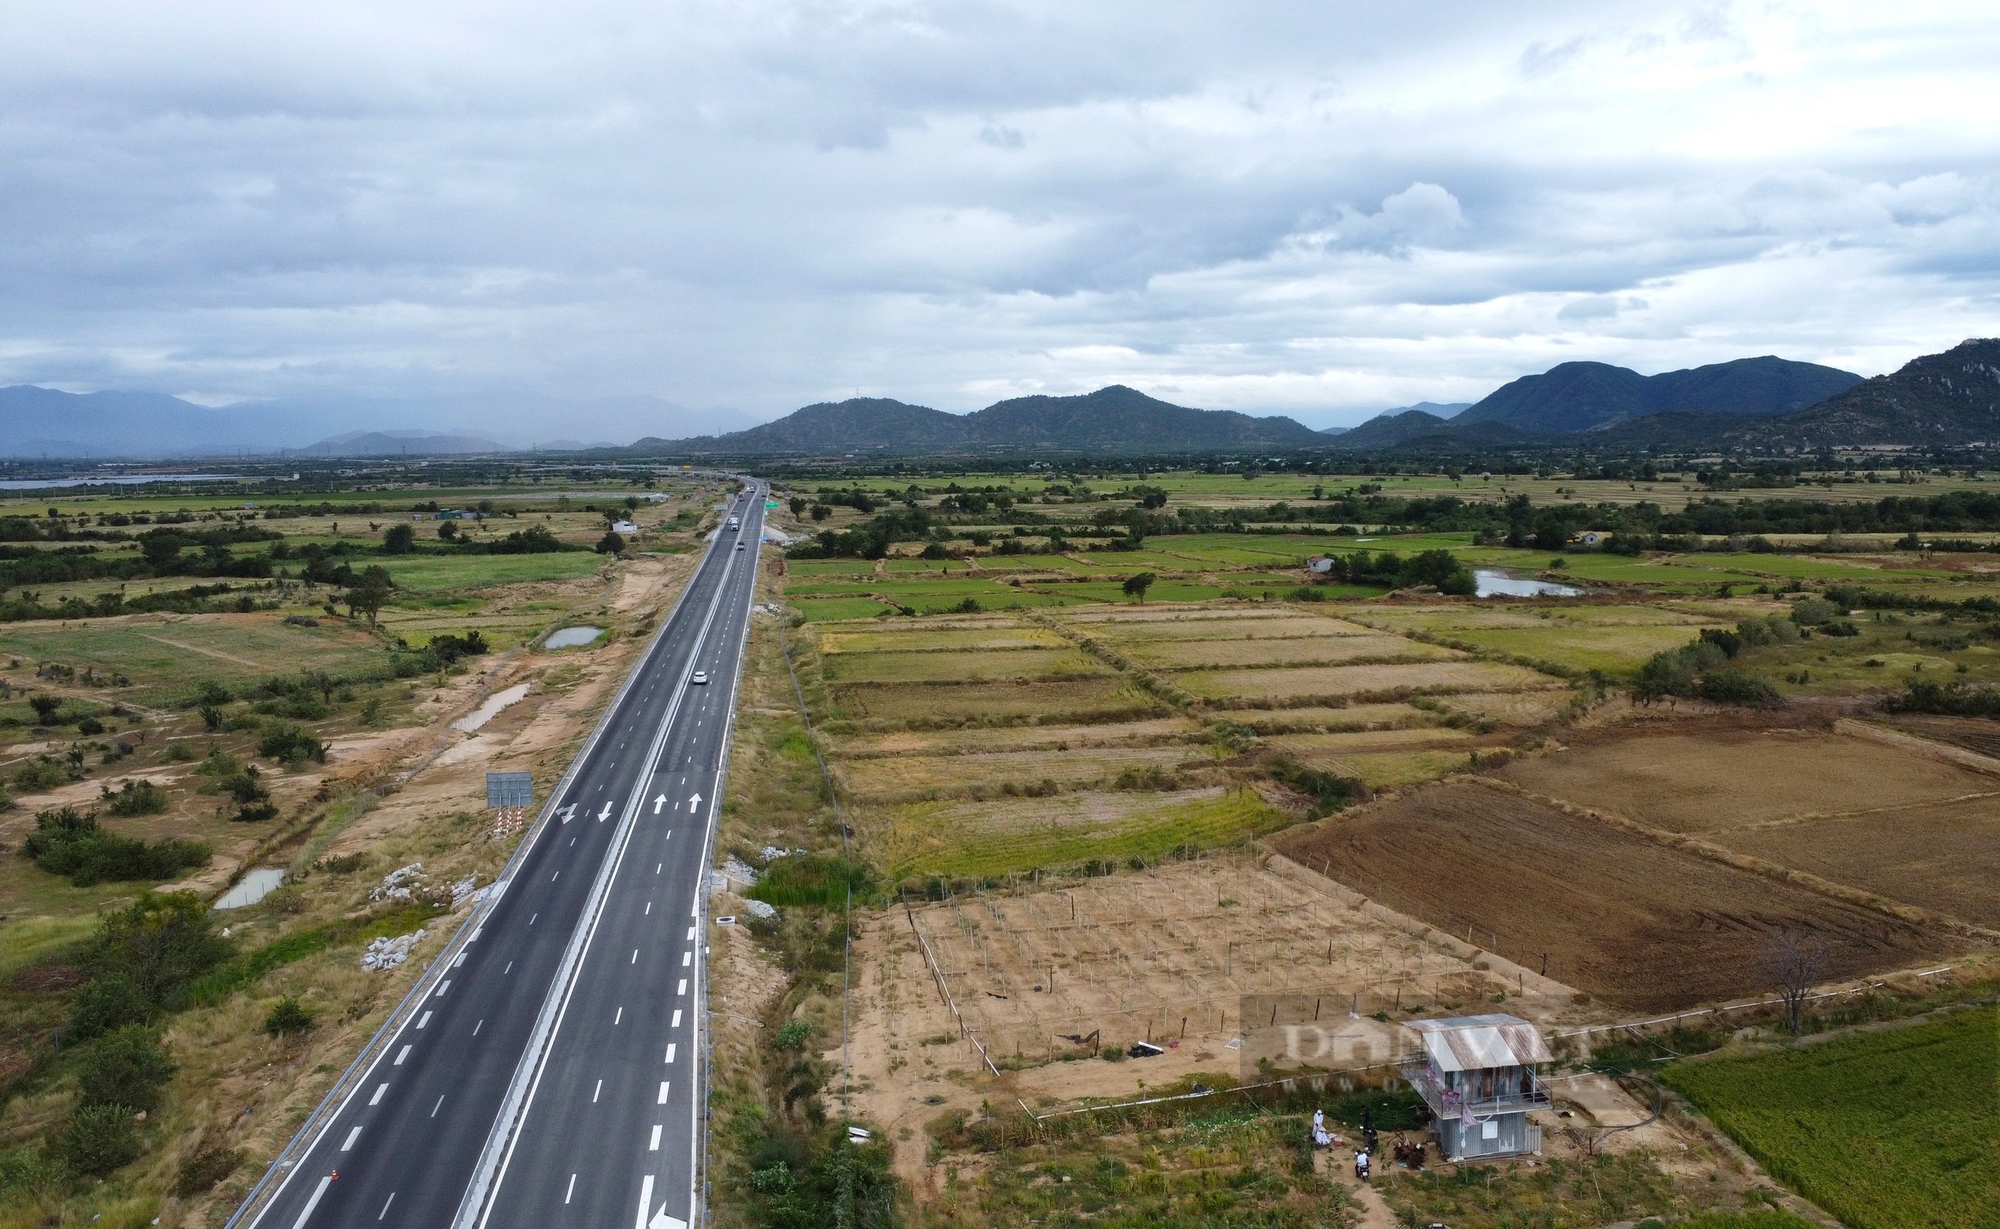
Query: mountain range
point(1112, 420)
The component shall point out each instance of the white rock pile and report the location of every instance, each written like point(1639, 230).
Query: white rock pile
point(400, 883)
point(388, 953)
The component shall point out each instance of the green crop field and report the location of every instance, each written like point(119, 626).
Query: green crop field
point(956, 838)
point(1888, 1130)
point(833, 609)
point(167, 660)
point(438, 573)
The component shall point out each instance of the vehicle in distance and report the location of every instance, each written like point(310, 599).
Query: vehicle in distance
point(700, 676)
point(739, 546)
point(735, 523)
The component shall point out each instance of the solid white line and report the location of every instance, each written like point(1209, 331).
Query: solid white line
point(670, 1058)
point(400, 1056)
point(646, 1189)
point(663, 1093)
point(655, 1145)
point(318, 1192)
point(377, 1098)
point(351, 1137)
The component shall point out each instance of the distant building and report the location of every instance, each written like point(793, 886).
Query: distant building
point(1590, 537)
point(1319, 563)
point(1480, 1075)
point(625, 527)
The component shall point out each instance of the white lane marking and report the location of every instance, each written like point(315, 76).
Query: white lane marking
point(478, 1026)
point(531, 919)
point(509, 969)
point(656, 868)
point(405, 1053)
point(377, 1098)
point(663, 1093)
point(655, 1145)
point(424, 1019)
point(596, 1092)
point(459, 963)
point(437, 1107)
point(571, 1190)
point(351, 1137)
point(646, 1190)
point(442, 987)
point(690, 934)
point(476, 930)
point(385, 1205)
point(684, 986)
point(649, 908)
point(635, 955)
point(319, 1192)
point(552, 879)
point(687, 958)
point(670, 1051)
point(620, 1016)
point(677, 1019)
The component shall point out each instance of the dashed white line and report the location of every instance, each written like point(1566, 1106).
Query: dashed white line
point(478, 1026)
point(437, 1107)
point(649, 908)
point(663, 1093)
point(405, 1053)
point(424, 1019)
point(445, 985)
point(509, 969)
point(319, 1192)
point(571, 1190)
point(684, 986)
point(377, 1098)
point(687, 958)
point(690, 934)
point(677, 1019)
point(353, 1135)
point(385, 1205)
point(655, 1145)
point(596, 1092)
point(670, 1051)
point(620, 1016)
point(635, 955)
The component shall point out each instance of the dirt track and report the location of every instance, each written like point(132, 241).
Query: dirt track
point(1644, 927)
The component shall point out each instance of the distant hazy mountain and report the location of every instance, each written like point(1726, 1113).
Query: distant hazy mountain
point(37, 422)
point(399, 444)
point(1439, 410)
point(1574, 397)
point(1113, 419)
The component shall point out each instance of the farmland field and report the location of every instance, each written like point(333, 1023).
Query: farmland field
point(1640, 925)
point(1886, 1130)
point(1743, 778)
point(1415, 672)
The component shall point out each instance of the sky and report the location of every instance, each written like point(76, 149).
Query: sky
point(504, 214)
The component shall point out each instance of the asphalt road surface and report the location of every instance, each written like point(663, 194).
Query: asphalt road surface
point(550, 1075)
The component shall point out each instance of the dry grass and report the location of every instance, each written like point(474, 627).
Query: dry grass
point(1290, 651)
point(1281, 685)
point(1088, 700)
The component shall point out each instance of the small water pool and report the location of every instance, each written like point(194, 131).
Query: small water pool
point(253, 887)
point(1499, 584)
point(574, 637)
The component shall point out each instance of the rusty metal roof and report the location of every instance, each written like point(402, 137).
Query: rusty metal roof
point(1475, 1043)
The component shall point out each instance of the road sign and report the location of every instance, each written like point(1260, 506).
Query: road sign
point(509, 789)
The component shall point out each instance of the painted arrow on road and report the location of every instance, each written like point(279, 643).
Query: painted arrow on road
point(658, 803)
point(604, 814)
point(693, 803)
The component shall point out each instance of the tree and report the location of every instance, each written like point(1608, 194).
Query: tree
point(1136, 586)
point(400, 540)
point(448, 531)
point(289, 1016)
point(370, 592)
point(798, 505)
point(1797, 962)
point(45, 708)
point(611, 543)
point(124, 1067)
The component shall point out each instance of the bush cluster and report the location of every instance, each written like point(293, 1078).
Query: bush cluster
point(69, 842)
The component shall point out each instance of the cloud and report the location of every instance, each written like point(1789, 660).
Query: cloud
point(1315, 209)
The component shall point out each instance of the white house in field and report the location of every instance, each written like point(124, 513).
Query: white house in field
point(1480, 1075)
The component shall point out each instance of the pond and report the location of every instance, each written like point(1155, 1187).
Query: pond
point(1499, 584)
point(574, 637)
point(253, 887)
point(50, 484)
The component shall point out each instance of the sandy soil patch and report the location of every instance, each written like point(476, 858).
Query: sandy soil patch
point(1714, 781)
point(1623, 917)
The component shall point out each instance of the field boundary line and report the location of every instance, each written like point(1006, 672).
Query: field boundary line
point(945, 989)
point(1902, 740)
point(1831, 889)
point(1169, 692)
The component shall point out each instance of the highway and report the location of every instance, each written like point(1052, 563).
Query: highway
point(550, 1074)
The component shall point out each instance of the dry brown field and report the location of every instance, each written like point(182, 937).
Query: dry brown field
point(1277, 685)
point(1287, 651)
point(1088, 700)
point(1714, 780)
point(1975, 734)
point(1641, 925)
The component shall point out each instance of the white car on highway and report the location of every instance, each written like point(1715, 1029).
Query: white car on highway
point(700, 676)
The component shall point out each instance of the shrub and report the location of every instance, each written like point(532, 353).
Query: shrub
point(811, 879)
point(124, 1067)
point(43, 773)
point(160, 942)
point(89, 725)
point(793, 1035)
point(289, 1016)
point(291, 745)
point(69, 842)
point(98, 1139)
point(200, 1172)
point(1813, 611)
point(140, 797)
point(105, 1004)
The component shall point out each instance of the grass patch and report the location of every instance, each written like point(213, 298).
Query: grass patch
point(1892, 1129)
